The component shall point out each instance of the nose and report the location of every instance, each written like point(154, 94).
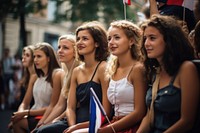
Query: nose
point(146, 42)
point(110, 42)
point(59, 50)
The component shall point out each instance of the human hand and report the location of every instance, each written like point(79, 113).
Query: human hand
point(18, 116)
point(71, 129)
point(55, 120)
point(107, 129)
point(10, 125)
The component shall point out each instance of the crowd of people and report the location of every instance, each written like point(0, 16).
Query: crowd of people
point(146, 76)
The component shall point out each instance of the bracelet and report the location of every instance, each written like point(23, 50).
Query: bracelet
point(29, 112)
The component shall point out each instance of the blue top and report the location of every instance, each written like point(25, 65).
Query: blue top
point(167, 106)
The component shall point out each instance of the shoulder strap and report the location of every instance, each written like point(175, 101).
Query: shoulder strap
point(130, 71)
point(172, 80)
point(95, 71)
point(154, 94)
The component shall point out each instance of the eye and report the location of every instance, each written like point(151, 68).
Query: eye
point(65, 47)
point(78, 38)
point(109, 38)
point(59, 47)
point(116, 37)
point(152, 38)
point(85, 38)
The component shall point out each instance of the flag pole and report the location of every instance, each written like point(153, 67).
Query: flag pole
point(124, 10)
point(102, 109)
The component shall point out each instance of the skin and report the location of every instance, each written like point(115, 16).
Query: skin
point(82, 74)
point(119, 46)
point(187, 80)
point(66, 55)
point(41, 62)
point(27, 63)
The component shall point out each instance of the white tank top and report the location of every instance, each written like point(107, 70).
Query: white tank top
point(42, 91)
point(120, 94)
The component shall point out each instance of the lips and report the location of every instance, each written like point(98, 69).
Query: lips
point(113, 48)
point(80, 47)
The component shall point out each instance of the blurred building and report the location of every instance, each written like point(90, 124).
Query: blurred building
point(39, 28)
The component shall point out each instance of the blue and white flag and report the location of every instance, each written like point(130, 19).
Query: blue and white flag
point(97, 113)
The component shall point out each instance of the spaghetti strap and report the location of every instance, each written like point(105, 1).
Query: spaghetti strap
point(172, 80)
point(95, 71)
point(130, 70)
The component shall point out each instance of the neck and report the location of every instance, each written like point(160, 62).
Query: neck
point(31, 69)
point(126, 60)
point(70, 64)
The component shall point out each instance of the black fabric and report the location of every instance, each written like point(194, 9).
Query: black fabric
point(83, 102)
point(32, 122)
point(178, 11)
point(57, 127)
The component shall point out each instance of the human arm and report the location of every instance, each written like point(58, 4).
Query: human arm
point(153, 7)
point(59, 117)
point(55, 94)
point(71, 101)
point(24, 106)
point(28, 95)
point(189, 84)
point(57, 110)
point(100, 78)
point(132, 119)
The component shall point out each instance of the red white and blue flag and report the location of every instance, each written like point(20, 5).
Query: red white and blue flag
point(127, 2)
point(97, 113)
point(185, 3)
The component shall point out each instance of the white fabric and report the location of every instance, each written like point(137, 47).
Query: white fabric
point(42, 91)
point(120, 93)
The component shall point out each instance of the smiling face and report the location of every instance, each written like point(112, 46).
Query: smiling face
point(85, 43)
point(41, 61)
point(65, 51)
point(118, 42)
point(154, 43)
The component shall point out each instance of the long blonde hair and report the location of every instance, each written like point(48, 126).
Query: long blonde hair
point(131, 30)
point(68, 73)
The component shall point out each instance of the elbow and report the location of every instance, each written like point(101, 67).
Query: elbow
point(188, 124)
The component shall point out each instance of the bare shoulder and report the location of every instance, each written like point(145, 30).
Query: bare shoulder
point(76, 71)
point(139, 67)
point(58, 73)
point(33, 78)
point(102, 66)
point(188, 67)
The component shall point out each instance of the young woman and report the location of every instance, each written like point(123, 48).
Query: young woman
point(28, 73)
point(67, 55)
point(127, 86)
point(173, 98)
point(45, 89)
point(93, 51)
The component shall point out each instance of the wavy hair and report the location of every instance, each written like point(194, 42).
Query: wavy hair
point(99, 35)
point(131, 30)
point(177, 49)
point(68, 73)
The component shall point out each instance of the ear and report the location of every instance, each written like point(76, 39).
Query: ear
point(96, 44)
point(131, 42)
